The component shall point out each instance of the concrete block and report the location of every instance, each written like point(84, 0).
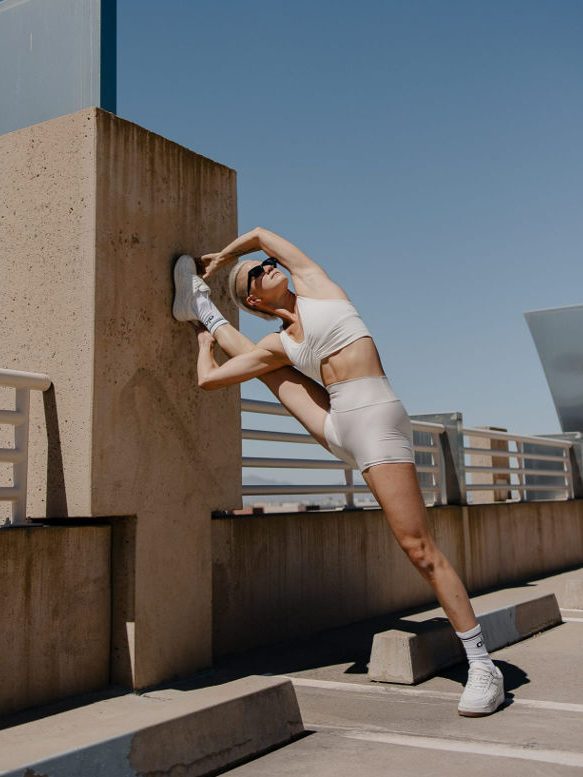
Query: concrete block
point(192, 733)
point(414, 651)
point(55, 613)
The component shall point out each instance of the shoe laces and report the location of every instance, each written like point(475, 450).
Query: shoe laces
point(479, 677)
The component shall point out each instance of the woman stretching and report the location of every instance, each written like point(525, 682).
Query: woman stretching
point(343, 398)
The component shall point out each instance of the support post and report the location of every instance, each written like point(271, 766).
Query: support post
point(453, 453)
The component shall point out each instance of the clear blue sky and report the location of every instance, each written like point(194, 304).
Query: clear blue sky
point(428, 152)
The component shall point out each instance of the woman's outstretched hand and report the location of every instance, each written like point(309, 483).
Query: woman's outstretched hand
point(212, 262)
point(205, 339)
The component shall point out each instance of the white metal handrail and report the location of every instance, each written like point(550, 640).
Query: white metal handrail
point(435, 470)
point(558, 452)
point(495, 435)
point(23, 383)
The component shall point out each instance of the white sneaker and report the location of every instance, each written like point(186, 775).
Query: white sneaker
point(484, 691)
point(186, 284)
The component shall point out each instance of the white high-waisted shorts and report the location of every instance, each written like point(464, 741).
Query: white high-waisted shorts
point(367, 423)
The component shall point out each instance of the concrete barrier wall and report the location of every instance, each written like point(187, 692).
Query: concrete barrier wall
point(516, 541)
point(282, 576)
point(279, 576)
point(55, 600)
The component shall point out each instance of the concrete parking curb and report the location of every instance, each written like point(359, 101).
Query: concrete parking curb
point(195, 732)
point(570, 594)
point(416, 650)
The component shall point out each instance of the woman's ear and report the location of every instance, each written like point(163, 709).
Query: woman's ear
point(258, 304)
point(255, 302)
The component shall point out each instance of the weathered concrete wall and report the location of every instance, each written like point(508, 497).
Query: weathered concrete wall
point(515, 541)
point(279, 576)
point(95, 212)
point(55, 599)
point(282, 576)
point(47, 298)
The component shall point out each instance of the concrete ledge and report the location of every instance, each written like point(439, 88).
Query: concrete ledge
point(570, 594)
point(413, 651)
point(190, 733)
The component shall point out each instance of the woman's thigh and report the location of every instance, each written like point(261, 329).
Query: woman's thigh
point(396, 488)
point(304, 398)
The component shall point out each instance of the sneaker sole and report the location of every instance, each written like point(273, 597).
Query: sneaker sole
point(500, 699)
point(184, 269)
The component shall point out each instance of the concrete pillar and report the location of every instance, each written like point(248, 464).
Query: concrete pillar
point(453, 453)
point(94, 212)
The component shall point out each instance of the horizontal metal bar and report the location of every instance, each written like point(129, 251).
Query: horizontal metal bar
point(283, 489)
point(426, 449)
point(542, 457)
point(275, 408)
point(494, 452)
point(513, 454)
point(258, 406)
point(281, 463)
point(11, 455)
point(267, 435)
point(11, 417)
point(512, 487)
point(25, 380)
point(260, 434)
point(551, 473)
point(10, 494)
point(472, 432)
point(306, 489)
point(259, 461)
point(427, 426)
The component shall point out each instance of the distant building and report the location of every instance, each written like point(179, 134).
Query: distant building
point(558, 336)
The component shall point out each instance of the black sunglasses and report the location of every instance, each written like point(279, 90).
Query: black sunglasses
point(258, 270)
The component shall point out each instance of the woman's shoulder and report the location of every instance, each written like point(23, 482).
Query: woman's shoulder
point(272, 342)
point(342, 298)
point(318, 285)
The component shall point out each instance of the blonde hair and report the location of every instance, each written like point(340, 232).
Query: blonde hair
point(237, 290)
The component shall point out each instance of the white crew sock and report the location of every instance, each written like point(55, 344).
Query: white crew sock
point(207, 312)
point(474, 645)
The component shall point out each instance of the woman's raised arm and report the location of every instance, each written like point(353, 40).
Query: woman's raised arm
point(260, 239)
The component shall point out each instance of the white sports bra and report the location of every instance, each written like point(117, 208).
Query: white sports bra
point(329, 325)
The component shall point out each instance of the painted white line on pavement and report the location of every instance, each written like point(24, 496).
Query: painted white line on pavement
point(559, 757)
point(407, 691)
point(573, 620)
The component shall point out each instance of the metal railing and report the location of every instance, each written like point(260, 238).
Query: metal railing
point(528, 460)
point(23, 383)
point(434, 469)
point(549, 460)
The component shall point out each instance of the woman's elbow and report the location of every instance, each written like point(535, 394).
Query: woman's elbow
point(207, 384)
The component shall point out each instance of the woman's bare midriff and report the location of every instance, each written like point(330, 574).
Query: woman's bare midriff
point(360, 359)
